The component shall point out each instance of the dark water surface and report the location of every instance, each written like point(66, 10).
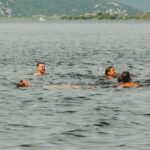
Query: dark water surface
point(76, 53)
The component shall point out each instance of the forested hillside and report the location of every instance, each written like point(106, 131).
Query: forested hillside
point(29, 8)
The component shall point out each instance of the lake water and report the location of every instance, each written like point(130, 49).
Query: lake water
point(75, 52)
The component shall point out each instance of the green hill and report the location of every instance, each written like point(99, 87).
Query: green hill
point(29, 8)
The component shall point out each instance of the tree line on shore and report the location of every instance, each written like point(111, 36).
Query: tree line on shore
point(89, 16)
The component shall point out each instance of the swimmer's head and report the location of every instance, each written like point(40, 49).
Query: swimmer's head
point(125, 76)
point(22, 83)
point(110, 72)
point(40, 68)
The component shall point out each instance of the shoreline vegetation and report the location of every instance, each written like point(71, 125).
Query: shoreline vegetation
point(87, 16)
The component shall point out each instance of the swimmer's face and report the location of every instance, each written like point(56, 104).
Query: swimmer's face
point(112, 72)
point(41, 68)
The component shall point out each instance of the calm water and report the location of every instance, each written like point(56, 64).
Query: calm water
point(76, 53)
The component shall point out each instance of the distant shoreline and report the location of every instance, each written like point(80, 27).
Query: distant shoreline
point(141, 17)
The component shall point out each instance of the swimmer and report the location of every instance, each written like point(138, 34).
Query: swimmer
point(125, 81)
point(40, 69)
point(22, 83)
point(110, 72)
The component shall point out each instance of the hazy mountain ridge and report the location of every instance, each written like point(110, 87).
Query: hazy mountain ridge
point(143, 5)
point(112, 8)
point(28, 8)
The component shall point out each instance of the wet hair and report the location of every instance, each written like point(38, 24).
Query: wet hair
point(119, 78)
point(39, 63)
point(21, 84)
point(125, 76)
point(108, 69)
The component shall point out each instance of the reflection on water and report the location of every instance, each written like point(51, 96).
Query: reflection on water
point(75, 53)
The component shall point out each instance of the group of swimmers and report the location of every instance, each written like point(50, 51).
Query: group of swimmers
point(40, 71)
point(124, 80)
